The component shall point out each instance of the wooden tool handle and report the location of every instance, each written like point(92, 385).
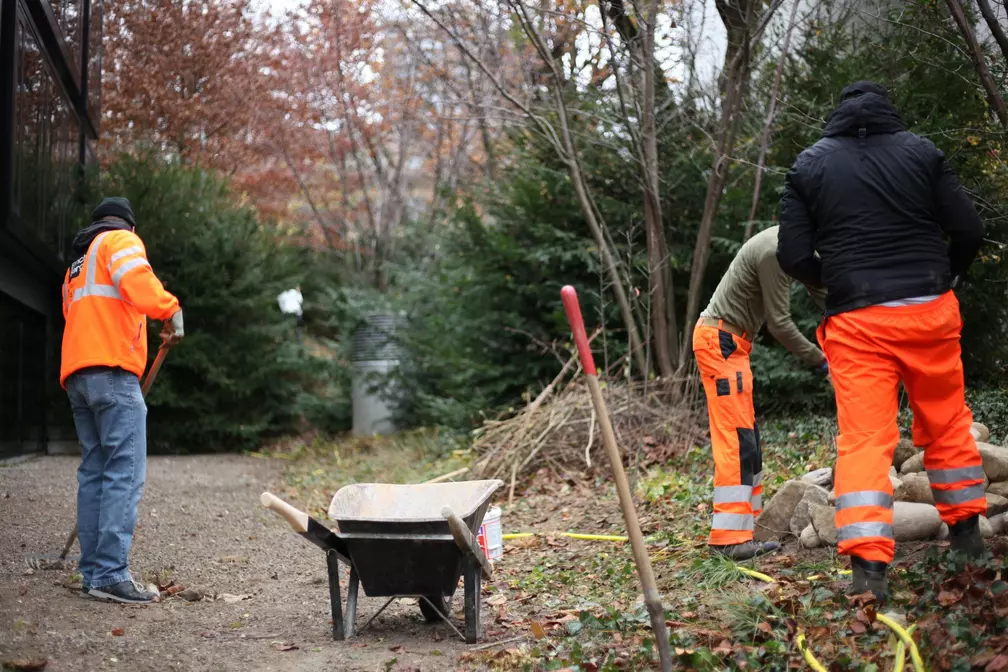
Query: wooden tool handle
point(298, 519)
point(465, 541)
point(155, 367)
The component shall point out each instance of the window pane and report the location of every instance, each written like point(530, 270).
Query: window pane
point(45, 148)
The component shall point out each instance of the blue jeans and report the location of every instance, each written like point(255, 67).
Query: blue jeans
point(111, 419)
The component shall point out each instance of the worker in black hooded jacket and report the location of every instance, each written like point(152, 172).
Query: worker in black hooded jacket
point(865, 214)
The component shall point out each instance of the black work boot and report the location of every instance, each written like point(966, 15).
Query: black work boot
point(747, 550)
point(869, 575)
point(964, 537)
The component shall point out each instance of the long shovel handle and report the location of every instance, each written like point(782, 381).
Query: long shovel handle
point(652, 600)
point(155, 367)
point(148, 381)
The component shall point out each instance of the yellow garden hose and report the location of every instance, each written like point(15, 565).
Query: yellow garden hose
point(756, 575)
point(905, 638)
point(807, 654)
point(900, 661)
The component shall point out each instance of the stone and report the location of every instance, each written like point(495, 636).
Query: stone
point(775, 520)
point(986, 529)
point(943, 532)
point(996, 504)
point(913, 465)
point(904, 451)
point(913, 521)
point(980, 432)
point(824, 520)
point(1000, 489)
point(999, 523)
point(995, 461)
point(810, 538)
point(916, 488)
point(800, 518)
point(821, 477)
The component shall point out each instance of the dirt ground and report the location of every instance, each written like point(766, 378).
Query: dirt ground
point(202, 526)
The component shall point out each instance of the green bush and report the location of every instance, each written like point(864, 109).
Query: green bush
point(241, 374)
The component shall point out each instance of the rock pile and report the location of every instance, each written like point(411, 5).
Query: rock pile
point(804, 508)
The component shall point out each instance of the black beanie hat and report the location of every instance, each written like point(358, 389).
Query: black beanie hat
point(116, 206)
point(858, 88)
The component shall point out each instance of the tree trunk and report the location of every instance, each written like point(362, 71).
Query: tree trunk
point(979, 62)
point(660, 280)
point(768, 125)
point(737, 58)
point(996, 30)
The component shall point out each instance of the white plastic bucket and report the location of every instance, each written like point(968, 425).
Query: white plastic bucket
point(490, 536)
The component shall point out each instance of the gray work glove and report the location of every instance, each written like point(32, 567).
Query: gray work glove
point(172, 331)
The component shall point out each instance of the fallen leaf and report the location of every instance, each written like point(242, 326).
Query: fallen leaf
point(397, 648)
point(283, 646)
point(231, 599)
point(496, 600)
point(723, 649)
point(208, 634)
point(359, 645)
point(23, 591)
point(998, 664)
point(947, 598)
point(173, 590)
point(683, 652)
point(537, 629)
point(859, 628)
point(118, 632)
point(764, 627)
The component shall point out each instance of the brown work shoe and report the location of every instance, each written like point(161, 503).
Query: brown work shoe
point(965, 537)
point(747, 550)
point(869, 575)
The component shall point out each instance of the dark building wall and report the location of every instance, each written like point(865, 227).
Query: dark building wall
point(50, 69)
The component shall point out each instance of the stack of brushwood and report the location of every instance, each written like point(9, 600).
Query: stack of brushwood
point(560, 430)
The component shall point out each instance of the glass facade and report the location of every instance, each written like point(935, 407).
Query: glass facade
point(50, 71)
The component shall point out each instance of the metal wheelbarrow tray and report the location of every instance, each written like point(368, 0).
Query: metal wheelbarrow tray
point(403, 541)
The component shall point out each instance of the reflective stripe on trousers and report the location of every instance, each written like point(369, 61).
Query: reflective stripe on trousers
point(957, 486)
point(863, 530)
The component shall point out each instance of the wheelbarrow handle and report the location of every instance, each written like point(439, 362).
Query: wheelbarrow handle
point(464, 540)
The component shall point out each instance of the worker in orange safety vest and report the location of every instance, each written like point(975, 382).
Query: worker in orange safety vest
point(109, 291)
point(753, 292)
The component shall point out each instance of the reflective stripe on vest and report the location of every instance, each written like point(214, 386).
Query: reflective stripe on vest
point(92, 288)
point(732, 521)
point(757, 503)
point(757, 479)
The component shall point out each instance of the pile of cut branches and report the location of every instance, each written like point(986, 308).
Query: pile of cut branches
point(560, 430)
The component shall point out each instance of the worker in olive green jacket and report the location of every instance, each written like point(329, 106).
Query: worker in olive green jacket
point(754, 291)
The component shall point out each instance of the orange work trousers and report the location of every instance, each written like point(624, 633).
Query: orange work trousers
point(870, 351)
point(723, 360)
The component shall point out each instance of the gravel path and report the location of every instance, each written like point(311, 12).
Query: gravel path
point(201, 525)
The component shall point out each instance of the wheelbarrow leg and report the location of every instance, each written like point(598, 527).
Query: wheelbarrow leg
point(471, 577)
point(351, 603)
point(335, 599)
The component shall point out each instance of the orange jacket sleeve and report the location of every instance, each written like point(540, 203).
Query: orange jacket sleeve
point(134, 278)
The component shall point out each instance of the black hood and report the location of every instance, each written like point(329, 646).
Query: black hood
point(83, 239)
point(863, 105)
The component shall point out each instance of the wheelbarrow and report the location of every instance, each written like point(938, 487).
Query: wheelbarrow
point(402, 541)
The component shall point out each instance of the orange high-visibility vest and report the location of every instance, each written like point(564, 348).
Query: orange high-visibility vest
point(108, 294)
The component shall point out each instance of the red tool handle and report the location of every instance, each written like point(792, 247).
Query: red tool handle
point(573, 309)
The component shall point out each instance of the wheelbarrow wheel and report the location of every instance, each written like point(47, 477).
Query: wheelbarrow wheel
point(438, 611)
